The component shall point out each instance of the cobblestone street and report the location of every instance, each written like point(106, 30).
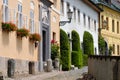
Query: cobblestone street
point(55, 75)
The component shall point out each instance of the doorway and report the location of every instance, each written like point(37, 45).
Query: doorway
point(11, 68)
point(44, 45)
point(31, 68)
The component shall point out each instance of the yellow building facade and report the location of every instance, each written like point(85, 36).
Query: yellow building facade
point(111, 33)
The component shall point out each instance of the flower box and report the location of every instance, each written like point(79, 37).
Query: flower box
point(8, 27)
point(34, 37)
point(22, 32)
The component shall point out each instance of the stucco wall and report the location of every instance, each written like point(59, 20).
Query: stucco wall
point(104, 67)
point(80, 27)
point(10, 45)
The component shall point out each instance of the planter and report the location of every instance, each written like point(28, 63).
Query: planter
point(34, 37)
point(8, 27)
point(22, 32)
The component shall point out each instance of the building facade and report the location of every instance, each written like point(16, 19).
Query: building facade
point(110, 14)
point(20, 56)
point(85, 18)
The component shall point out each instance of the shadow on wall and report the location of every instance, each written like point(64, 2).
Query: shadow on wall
point(19, 44)
point(31, 48)
point(5, 38)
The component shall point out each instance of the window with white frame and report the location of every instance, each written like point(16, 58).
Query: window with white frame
point(78, 16)
point(74, 10)
point(5, 11)
point(32, 27)
point(62, 7)
point(89, 22)
point(19, 15)
point(31, 21)
point(84, 18)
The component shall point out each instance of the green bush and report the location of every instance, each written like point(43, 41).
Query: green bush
point(85, 60)
point(64, 42)
point(77, 58)
point(101, 43)
point(77, 52)
point(88, 44)
point(65, 60)
point(65, 50)
point(75, 41)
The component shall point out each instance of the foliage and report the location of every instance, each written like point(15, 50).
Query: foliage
point(77, 58)
point(88, 43)
point(22, 32)
point(85, 60)
point(65, 50)
point(8, 27)
point(75, 41)
point(76, 50)
point(101, 43)
point(65, 60)
point(64, 42)
point(54, 50)
point(35, 37)
point(110, 50)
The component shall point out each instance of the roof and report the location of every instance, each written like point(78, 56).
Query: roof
point(93, 5)
point(115, 4)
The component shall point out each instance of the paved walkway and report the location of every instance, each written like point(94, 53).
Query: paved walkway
point(55, 75)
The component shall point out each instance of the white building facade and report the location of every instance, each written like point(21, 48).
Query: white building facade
point(85, 18)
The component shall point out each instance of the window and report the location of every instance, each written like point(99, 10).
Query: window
point(84, 19)
point(19, 15)
point(107, 20)
point(55, 3)
point(118, 27)
point(54, 36)
point(62, 7)
point(74, 10)
point(118, 49)
point(95, 25)
point(78, 16)
point(5, 11)
point(113, 30)
point(113, 48)
point(89, 22)
point(31, 21)
point(68, 7)
point(102, 19)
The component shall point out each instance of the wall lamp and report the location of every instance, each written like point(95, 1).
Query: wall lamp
point(69, 13)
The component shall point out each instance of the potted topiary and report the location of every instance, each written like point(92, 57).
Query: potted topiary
point(8, 27)
point(35, 38)
point(22, 32)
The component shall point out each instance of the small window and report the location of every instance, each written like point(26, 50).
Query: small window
point(95, 25)
point(5, 11)
point(89, 22)
point(31, 21)
point(102, 19)
point(84, 17)
point(20, 16)
point(113, 48)
point(78, 16)
point(113, 26)
point(118, 52)
point(117, 27)
point(54, 36)
point(107, 20)
point(74, 10)
point(62, 7)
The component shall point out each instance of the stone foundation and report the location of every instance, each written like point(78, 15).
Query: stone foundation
point(21, 67)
